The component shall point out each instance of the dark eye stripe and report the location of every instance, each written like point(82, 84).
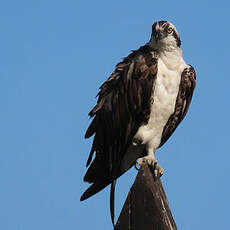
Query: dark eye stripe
point(178, 41)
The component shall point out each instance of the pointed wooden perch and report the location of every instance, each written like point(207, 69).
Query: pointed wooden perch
point(146, 207)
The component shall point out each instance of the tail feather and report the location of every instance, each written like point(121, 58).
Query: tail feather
point(112, 200)
point(91, 129)
point(93, 189)
point(96, 173)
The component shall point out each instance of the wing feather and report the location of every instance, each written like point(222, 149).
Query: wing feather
point(123, 105)
point(184, 97)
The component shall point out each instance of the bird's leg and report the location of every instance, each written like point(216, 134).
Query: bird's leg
point(152, 162)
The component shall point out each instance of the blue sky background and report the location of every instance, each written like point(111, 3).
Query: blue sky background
point(54, 56)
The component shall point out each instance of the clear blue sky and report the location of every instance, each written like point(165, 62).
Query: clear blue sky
point(54, 56)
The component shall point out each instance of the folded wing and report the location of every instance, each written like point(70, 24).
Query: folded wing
point(184, 97)
point(123, 106)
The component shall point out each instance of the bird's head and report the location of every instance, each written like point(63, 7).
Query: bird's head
point(164, 36)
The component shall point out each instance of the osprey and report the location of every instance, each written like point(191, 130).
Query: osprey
point(139, 107)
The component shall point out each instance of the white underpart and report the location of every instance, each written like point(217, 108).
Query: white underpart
point(165, 91)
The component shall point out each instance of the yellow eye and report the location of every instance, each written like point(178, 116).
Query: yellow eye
point(170, 30)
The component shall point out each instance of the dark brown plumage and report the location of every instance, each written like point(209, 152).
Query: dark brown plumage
point(123, 105)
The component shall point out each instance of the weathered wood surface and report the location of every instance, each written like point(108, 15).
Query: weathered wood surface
point(146, 207)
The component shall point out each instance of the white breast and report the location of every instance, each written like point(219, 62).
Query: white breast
point(164, 96)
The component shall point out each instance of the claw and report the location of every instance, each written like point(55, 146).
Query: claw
point(158, 171)
point(151, 161)
point(136, 166)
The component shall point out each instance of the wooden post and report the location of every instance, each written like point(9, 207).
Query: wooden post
point(146, 206)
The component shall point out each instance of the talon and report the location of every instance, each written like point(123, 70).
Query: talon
point(136, 142)
point(155, 165)
point(151, 161)
point(158, 171)
point(136, 166)
point(147, 159)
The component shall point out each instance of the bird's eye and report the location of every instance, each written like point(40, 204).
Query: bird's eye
point(170, 30)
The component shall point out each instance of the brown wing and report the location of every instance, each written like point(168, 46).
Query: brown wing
point(184, 97)
point(123, 105)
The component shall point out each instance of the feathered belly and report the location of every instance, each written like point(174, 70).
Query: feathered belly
point(164, 96)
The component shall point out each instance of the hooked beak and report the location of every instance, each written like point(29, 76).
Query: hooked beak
point(159, 35)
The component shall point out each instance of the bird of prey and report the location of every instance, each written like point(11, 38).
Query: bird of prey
point(139, 107)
